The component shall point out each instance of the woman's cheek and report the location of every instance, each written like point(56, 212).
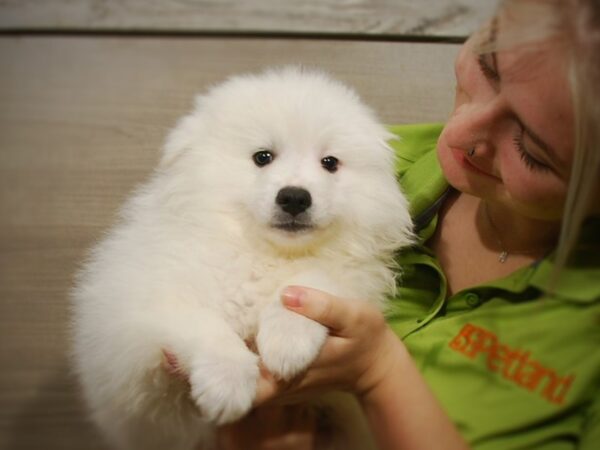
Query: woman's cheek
point(541, 194)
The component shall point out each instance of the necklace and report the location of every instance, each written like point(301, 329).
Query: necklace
point(503, 256)
point(504, 253)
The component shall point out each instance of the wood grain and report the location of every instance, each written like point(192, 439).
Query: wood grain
point(456, 18)
point(81, 123)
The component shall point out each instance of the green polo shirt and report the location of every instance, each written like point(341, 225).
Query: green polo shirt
point(515, 365)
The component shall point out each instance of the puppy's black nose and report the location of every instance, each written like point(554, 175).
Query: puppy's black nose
point(293, 200)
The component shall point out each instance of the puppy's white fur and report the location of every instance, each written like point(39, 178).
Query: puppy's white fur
point(197, 262)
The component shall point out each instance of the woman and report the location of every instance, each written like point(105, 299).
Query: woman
point(492, 341)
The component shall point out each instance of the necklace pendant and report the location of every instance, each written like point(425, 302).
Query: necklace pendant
point(503, 256)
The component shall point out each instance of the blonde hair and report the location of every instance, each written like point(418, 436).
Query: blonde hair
point(582, 198)
point(576, 25)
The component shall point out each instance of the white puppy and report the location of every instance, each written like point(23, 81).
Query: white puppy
point(277, 179)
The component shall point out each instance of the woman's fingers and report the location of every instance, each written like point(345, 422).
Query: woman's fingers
point(267, 387)
point(333, 312)
point(270, 390)
point(316, 305)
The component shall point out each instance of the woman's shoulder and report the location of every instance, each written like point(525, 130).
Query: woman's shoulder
point(411, 142)
point(419, 173)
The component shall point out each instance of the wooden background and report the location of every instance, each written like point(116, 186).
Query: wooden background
point(88, 90)
point(360, 17)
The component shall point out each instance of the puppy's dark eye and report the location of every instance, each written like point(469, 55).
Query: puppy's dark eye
point(330, 163)
point(262, 158)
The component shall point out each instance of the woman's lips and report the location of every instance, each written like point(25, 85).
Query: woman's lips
point(462, 159)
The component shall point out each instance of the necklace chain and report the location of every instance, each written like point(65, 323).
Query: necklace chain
point(503, 256)
point(504, 253)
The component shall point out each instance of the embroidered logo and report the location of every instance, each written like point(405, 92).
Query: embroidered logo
point(515, 365)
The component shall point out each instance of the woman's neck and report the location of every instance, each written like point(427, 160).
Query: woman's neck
point(502, 229)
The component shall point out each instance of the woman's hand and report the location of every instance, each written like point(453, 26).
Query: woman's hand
point(356, 357)
point(362, 355)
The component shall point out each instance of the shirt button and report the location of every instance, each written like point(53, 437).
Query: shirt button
point(472, 299)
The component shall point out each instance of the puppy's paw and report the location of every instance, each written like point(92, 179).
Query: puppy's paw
point(288, 343)
point(224, 386)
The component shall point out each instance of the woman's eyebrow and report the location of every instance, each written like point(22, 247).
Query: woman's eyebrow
point(491, 41)
point(546, 148)
point(493, 36)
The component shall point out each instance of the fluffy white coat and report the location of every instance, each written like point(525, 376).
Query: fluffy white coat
point(198, 260)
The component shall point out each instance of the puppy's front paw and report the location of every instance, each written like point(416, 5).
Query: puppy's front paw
point(288, 343)
point(223, 386)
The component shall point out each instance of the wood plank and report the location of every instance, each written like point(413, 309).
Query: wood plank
point(81, 123)
point(362, 17)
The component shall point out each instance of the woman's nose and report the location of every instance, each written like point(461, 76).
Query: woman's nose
point(475, 120)
point(481, 115)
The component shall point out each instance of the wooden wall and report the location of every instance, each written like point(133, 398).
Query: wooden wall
point(88, 90)
point(358, 17)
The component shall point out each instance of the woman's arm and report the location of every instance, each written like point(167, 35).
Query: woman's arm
point(402, 411)
point(363, 355)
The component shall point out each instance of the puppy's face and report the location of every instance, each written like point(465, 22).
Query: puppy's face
point(295, 194)
point(295, 156)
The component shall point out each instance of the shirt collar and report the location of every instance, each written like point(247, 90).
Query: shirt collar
point(577, 282)
point(580, 280)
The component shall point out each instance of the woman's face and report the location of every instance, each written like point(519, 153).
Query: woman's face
point(514, 108)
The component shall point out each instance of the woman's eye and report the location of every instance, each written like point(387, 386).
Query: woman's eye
point(487, 66)
point(530, 162)
point(262, 158)
point(330, 163)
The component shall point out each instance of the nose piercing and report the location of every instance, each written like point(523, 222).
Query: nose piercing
point(471, 152)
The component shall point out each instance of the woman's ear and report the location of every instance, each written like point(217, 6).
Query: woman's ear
point(182, 136)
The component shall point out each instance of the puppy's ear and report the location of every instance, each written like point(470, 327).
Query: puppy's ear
point(181, 138)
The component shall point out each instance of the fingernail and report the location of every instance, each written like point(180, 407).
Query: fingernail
point(292, 296)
